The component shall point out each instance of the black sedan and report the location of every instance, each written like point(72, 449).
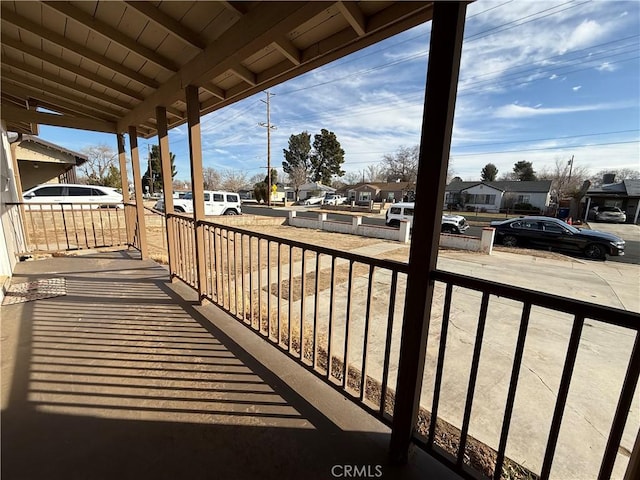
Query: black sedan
point(551, 233)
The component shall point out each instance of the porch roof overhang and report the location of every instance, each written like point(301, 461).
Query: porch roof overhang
point(106, 65)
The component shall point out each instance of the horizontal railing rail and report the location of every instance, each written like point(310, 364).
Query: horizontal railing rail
point(339, 314)
point(55, 227)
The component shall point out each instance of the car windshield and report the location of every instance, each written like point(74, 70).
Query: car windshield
point(610, 209)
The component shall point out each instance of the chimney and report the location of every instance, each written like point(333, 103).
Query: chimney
point(608, 178)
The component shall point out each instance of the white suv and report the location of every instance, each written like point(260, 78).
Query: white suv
point(404, 211)
point(73, 196)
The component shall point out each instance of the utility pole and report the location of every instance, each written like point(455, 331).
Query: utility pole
point(570, 169)
point(268, 127)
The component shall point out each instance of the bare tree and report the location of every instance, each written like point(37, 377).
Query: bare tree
point(351, 178)
point(620, 175)
point(233, 180)
point(211, 178)
point(375, 173)
point(298, 176)
point(566, 178)
point(402, 165)
point(101, 160)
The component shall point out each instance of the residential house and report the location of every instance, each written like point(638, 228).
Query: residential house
point(624, 195)
point(313, 189)
point(494, 196)
point(40, 162)
point(380, 192)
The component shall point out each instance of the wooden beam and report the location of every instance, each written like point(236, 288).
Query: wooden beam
point(112, 34)
point(257, 29)
point(122, 160)
point(437, 124)
point(51, 36)
point(243, 73)
point(69, 84)
point(352, 13)
point(167, 184)
point(69, 67)
point(214, 90)
point(235, 7)
point(168, 23)
point(197, 183)
point(174, 112)
point(288, 49)
point(56, 92)
point(11, 113)
point(137, 187)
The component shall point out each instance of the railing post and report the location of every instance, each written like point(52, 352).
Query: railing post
point(197, 183)
point(137, 185)
point(122, 160)
point(167, 182)
point(442, 78)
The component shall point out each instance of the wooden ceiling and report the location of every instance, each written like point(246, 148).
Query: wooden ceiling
point(106, 65)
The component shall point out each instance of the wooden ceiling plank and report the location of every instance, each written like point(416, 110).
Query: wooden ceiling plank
point(235, 7)
point(258, 28)
point(14, 114)
point(243, 73)
point(69, 84)
point(175, 112)
point(170, 24)
point(58, 93)
point(354, 16)
point(112, 34)
point(288, 49)
point(48, 35)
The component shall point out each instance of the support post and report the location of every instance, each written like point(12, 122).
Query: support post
point(442, 78)
point(167, 182)
point(18, 179)
point(137, 185)
point(197, 182)
point(124, 179)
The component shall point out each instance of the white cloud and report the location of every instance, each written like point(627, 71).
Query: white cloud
point(553, 77)
point(576, 88)
point(605, 67)
point(521, 111)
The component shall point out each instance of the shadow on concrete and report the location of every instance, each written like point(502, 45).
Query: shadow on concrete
point(123, 378)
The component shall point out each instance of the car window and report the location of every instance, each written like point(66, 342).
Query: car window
point(53, 191)
point(218, 197)
point(95, 191)
point(79, 192)
point(395, 210)
point(552, 227)
point(207, 197)
point(525, 225)
point(232, 198)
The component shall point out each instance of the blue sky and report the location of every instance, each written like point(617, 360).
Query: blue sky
point(539, 81)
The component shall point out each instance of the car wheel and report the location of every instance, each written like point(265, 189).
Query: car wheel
point(595, 252)
point(230, 212)
point(394, 223)
point(510, 241)
point(179, 209)
point(448, 229)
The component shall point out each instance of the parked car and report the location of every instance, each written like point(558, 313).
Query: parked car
point(610, 214)
point(313, 200)
point(333, 199)
point(552, 233)
point(215, 203)
point(404, 211)
point(61, 195)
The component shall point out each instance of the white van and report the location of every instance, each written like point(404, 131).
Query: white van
point(71, 195)
point(404, 211)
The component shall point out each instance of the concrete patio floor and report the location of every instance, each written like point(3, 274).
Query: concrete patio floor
point(127, 377)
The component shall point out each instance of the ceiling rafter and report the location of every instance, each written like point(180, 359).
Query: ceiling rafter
point(112, 34)
point(236, 7)
point(53, 37)
point(168, 23)
point(352, 13)
point(244, 74)
point(69, 84)
point(31, 116)
point(83, 102)
point(214, 90)
point(69, 67)
point(259, 27)
point(288, 49)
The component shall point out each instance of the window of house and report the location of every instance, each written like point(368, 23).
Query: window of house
point(365, 196)
point(524, 199)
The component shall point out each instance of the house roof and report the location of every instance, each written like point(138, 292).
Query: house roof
point(79, 158)
point(383, 185)
point(537, 186)
point(106, 65)
point(630, 188)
